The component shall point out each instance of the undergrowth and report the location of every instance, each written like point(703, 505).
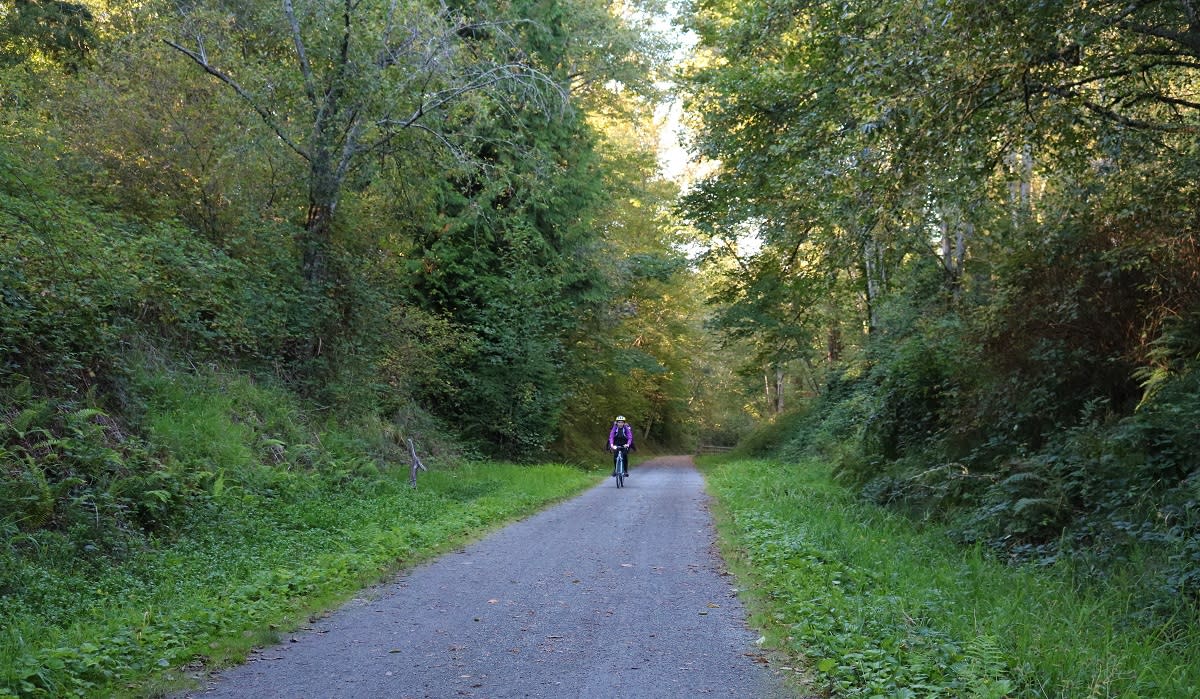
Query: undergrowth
point(242, 568)
point(208, 515)
point(873, 605)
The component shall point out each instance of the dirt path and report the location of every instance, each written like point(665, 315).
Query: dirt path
point(554, 606)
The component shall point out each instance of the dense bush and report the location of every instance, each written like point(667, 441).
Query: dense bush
point(1096, 494)
point(1047, 415)
point(79, 473)
point(78, 282)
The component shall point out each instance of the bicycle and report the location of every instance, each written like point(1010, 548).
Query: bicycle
point(619, 471)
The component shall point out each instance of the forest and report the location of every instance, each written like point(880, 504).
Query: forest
point(978, 232)
point(950, 248)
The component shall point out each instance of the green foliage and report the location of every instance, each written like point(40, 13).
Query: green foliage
point(449, 259)
point(207, 334)
point(1094, 495)
point(61, 32)
point(112, 558)
point(1016, 234)
point(77, 281)
point(510, 265)
point(77, 472)
point(832, 427)
point(768, 438)
point(214, 423)
point(241, 567)
point(100, 486)
point(873, 607)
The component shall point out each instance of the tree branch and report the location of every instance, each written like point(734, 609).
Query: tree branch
point(1123, 120)
point(202, 60)
point(1190, 39)
point(306, 72)
point(1164, 99)
point(488, 78)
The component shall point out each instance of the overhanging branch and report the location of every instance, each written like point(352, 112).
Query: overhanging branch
point(201, 59)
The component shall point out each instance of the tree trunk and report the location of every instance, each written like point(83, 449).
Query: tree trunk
point(955, 230)
point(873, 271)
point(316, 245)
point(314, 248)
point(833, 344)
point(324, 187)
point(1021, 190)
point(778, 389)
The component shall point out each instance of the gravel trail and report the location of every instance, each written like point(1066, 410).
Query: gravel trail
point(618, 592)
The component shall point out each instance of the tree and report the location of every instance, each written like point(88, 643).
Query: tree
point(516, 252)
point(362, 74)
point(1005, 194)
point(60, 31)
point(862, 129)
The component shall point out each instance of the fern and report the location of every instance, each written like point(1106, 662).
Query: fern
point(1021, 478)
point(983, 670)
point(1031, 503)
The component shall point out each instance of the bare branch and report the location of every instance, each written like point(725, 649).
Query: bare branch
point(388, 26)
point(733, 252)
point(350, 145)
point(1165, 99)
point(458, 153)
point(202, 60)
point(487, 78)
point(301, 55)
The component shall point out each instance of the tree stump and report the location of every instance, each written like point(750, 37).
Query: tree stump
point(416, 464)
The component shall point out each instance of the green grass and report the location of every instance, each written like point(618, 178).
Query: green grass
point(869, 604)
point(244, 569)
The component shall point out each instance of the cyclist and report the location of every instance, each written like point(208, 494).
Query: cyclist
point(620, 438)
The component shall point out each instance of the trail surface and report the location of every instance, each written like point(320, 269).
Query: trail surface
point(618, 592)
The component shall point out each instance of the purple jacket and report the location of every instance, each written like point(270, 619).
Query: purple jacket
point(628, 434)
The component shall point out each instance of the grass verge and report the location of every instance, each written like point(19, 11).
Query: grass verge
point(872, 605)
point(243, 570)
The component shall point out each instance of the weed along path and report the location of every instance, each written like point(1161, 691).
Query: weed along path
point(618, 592)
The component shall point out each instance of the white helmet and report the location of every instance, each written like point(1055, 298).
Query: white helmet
point(620, 418)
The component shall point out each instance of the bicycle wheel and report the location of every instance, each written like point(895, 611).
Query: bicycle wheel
point(620, 470)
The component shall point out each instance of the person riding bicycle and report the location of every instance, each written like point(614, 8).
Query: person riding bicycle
point(620, 439)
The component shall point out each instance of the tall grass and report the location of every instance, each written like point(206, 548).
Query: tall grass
point(241, 570)
point(272, 517)
point(873, 604)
